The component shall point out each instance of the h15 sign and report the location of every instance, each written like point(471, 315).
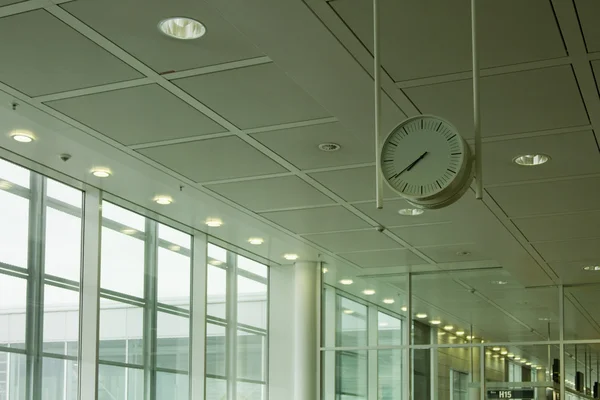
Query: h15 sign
point(511, 394)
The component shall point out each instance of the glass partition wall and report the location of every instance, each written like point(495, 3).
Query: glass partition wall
point(143, 301)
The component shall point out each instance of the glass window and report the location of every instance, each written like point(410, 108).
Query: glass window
point(252, 266)
point(14, 236)
point(66, 194)
point(63, 245)
point(171, 386)
point(250, 391)
point(216, 389)
point(12, 376)
point(352, 328)
point(13, 303)
point(251, 353)
point(59, 379)
point(252, 302)
point(459, 382)
point(216, 290)
point(216, 350)
point(121, 332)
point(122, 267)
point(173, 344)
point(120, 383)
point(123, 217)
point(12, 173)
point(61, 320)
point(173, 282)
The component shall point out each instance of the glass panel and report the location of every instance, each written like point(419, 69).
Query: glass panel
point(217, 255)
point(250, 391)
point(171, 386)
point(252, 266)
point(12, 376)
point(64, 193)
point(119, 383)
point(122, 267)
point(63, 245)
point(251, 356)
point(123, 216)
point(389, 331)
point(216, 389)
point(216, 289)
point(174, 236)
point(215, 350)
point(14, 225)
point(59, 379)
point(351, 375)
point(352, 328)
point(173, 278)
point(13, 173)
point(13, 300)
point(61, 319)
point(173, 348)
point(389, 374)
point(121, 328)
point(252, 302)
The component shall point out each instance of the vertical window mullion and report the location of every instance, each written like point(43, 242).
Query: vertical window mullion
point(372, 340)
point(231, 304)
point(150, 309)
point(35, 287)
point(198, 317)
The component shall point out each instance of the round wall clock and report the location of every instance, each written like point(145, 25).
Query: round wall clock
point(426, 161)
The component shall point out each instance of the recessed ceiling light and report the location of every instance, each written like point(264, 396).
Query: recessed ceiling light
point(460, 333)
point(128, 231)
point(594, 268)
point(528, 363)
point(404, 308)
point(216, 262)
point(411, 212)
point(174, 247)
point(163, 200)
point(510, 355)
point(388, 301)
point(489, 353)
point(383, 324)
point(504, 352)
point(214, 222)
point(470, 337)
point(346, 281)
point(538, 367)
point(101, 172)
point(499, 282)
point(496, 348)
point(325, 270)
point(290, 256)
point(517, 358)
point(421, 315)
point(463, 253)
point(435, 322)
point(329, 147)
point(449, 327)
point(256, 241)
point(523, 361)
point(369, 292)
point(441, 333)
point(496, 355)
point(531, 160)
point(182, 28)
point(544, 319)
point(347, 311)
point(22, 136)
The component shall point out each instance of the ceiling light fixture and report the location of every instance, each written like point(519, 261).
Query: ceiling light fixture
point(441, 333)
point(517, 358)
point(22, 136)
point(499, 282)
point(329, 147)
point(368, 292)
point(346, 281)
point(496, 355)
point(528, 364)
point(163, 200)
point(182, 28)
point(544, 319)
point(404, 308)
point(523, 361)
point(460, 333)
point(347, 311)
point(101, 172)
point(174, 247)
point(325, 270)
point(510, 355)
point(594, 268)
point(421, 315)
point(504, 352)
point(216, 263)
point(538, 367)
point(435, 322)
point(214, 222)
point(449, 327)
point(383, 324)
point(5, 185)
point(128, 231)
point(463, 253)
point(388, 301)
point(470, 337)
point(256, 241)
point(290, 256)
point(531, 160)
point(410, 212)
point(496, 348)
point(489, 353)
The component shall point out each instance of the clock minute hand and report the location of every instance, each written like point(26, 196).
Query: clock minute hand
point(415, 162)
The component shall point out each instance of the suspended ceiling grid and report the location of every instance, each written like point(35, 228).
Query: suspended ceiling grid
point(240, 114)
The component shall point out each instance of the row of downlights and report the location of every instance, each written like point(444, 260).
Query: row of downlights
point(23, 136)
point(498, 352)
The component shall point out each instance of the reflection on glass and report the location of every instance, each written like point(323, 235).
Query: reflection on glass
point(216, 389)
point(216, 289)
point(13, 300)
point(252, 266)
point(173, 349)
point(123, 216)
point(352, 327)
point(351, 374)
point(173, 281)
point(122, 268)
point(12, 376)
point(250, 357)
point(252, 302)
point(62, 245)
point(216, 357)
point(389, 362)
point(217, 255)
point(174, 236)
point(59, 379)
point(12, 173)
point(61, 319)
point(171, 386)
point(119, 383)
point(121, 329)
point(64, 193)
point(14, 223)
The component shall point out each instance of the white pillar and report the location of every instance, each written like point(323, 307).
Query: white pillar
point(307, 291)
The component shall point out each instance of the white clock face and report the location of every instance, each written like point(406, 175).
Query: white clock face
point(423, 157)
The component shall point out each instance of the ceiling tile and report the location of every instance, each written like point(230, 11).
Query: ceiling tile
point(436, 35)
point(570, 250)
point(50, 57)
point(214, 159)
point(588, 11)
point(560, 227)
point(383, 258)
point(436, 234)
point(353, 184)
point(548, 197)
point(252, 97)
point(443, 254)
point(388, 216)
point(137, 115)
point(517, 102)
point(340, 242)
point(7, 2)
point(257, 194)
point(132, 25)
point(571, 154)
point(316, 220)
point(300, 146)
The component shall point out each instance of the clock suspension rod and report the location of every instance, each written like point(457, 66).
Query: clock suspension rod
point(377, 94)
point(476, 104)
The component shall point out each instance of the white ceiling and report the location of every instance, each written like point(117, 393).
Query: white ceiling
point(237, 117)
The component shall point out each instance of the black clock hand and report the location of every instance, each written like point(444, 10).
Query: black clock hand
point(416, 161)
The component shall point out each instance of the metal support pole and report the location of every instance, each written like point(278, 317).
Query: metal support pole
point(482, 372)
point(150, 313)
point(476, 104)
point(232, 321)
point(377, 94)
point(407, 340)
point(549, 365)
point(198, 316)
point(561, 318)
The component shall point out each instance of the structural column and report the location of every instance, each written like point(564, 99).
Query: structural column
point(307, 289)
